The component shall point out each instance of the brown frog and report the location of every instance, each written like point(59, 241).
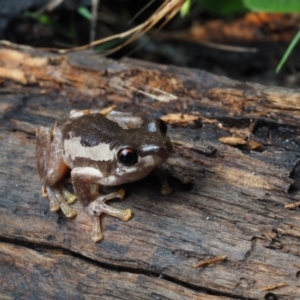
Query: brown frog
point(101, 148)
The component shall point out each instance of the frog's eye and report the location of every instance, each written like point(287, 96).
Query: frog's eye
point(127, 156)
point(162, 126)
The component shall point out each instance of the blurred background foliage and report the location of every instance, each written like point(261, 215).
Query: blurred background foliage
point(242, 39)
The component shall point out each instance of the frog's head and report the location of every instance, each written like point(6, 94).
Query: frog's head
point(145, 148)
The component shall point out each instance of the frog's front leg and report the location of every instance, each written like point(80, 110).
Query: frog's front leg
point(84, 180)
point(161, 172)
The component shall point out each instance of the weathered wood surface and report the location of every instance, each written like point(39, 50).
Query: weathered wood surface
point(235, 208)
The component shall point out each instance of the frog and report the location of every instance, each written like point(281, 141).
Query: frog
point(100, 148)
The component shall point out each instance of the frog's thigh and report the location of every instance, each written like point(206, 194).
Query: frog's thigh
point(56, 168)
point(43, 145)
point(50, 165)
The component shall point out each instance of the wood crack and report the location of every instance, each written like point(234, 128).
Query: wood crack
point(48, 250)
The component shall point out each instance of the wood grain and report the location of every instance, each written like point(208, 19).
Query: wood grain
point(235, 207)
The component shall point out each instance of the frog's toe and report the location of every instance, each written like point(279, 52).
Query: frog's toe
point(185, 179)
point(166, 190)
point(96, 232)
point(57, 200)
point(68, 211)
point(53, 201)
point(121, 193)
point(97, 237)
point(123, 214)
point(53, 206)
point(69, 197)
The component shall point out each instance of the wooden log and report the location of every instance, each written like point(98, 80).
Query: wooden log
point(239, 142)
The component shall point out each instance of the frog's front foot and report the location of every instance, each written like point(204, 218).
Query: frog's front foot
point(98, 206)
point(60, 198)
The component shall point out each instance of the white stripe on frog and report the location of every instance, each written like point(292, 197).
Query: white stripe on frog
point(100, 152)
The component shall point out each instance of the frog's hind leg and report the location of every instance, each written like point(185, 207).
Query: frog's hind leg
point(84, 182)
point(43, 146)
point(50, 164)
point(52, 169)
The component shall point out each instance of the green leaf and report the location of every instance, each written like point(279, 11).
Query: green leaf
point(224, 7)
point(273, 6)
point(288, 51)
point(185, 8)
point(82, 10)
point(43, 19)
point(46, 20)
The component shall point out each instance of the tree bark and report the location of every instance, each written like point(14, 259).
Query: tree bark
point(240, 143)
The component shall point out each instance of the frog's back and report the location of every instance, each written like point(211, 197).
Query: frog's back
point(90, 141)
point(92, 129)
